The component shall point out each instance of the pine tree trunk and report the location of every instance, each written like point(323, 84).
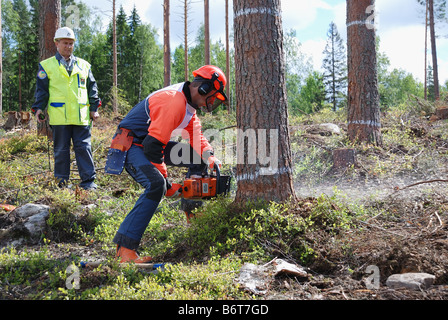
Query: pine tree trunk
point(426, 48)
point(1, 66)
point(435, 68)
point(363, 97)
point(49, 18)
point(228, 55)
point(207, 32)
point(166, 45)
point(261, 103)
point(49, 22)
point(114, 61)
point(186, 40)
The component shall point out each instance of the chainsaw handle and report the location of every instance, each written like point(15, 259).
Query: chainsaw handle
point(218, 178)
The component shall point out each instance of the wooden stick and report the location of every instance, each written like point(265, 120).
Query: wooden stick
point(96, 264)
point(422, 182)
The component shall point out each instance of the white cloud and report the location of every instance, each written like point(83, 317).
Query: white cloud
point(301, 14)
point(314, 49)
point(401, 26)
point(405, 48)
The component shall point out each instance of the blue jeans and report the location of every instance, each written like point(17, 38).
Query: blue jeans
point(148, 176)
point(62, 138)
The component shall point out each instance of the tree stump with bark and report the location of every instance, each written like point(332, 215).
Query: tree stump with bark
point(17, 119)
point(442, 113)
point(343, 158)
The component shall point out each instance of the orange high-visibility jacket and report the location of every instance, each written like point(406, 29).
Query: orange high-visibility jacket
point(161, 115)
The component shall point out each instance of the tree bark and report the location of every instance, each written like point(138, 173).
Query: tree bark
point(1, 65)
point(432, 31)
point(262, 114)
point(343, 158)
point(114, 61)
point(186, 40)
point(228, 56)
point(363, 97)
point(206, 32)
point(166, 45)
point(50, 21)
point(426, 48)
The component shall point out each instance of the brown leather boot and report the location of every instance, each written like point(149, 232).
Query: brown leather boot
point(128, 255)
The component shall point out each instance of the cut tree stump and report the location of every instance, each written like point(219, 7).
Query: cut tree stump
point(343, 158)
point(11, 122)
point(25, 119)
point(442, 113)
point(17, 119)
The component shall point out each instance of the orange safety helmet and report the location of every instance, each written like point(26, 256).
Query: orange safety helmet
point(217, 80)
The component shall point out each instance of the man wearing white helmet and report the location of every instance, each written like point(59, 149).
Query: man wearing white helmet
point(67, 89)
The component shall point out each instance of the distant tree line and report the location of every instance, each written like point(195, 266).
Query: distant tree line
point(139, 53)
point(141, 67)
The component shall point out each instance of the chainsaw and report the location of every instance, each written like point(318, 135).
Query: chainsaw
point(203, 187)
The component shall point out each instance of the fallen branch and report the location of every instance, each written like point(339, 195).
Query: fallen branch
point(96, 264)
point(418, 183)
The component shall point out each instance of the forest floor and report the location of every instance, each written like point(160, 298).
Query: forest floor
point(395, 195)
point(406, 180)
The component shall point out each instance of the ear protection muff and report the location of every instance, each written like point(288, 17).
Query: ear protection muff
point(207, 86)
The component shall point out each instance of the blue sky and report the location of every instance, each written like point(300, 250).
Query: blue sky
point(401, 26)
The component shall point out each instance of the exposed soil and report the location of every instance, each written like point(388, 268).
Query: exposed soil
point(409, 233)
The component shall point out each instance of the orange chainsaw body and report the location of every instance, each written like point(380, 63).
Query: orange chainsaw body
point(199, 188)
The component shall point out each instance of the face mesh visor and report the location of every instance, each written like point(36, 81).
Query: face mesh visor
point(215, 100)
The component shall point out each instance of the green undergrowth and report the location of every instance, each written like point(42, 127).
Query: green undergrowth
point(203, 257)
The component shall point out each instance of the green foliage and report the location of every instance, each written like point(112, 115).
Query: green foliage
point(27, 268)
point(205, 255)
point(20, 52)
point(196, 59)
point(259, 231)
point(28, 143)
point(335, 66)
point(214, 280)
point(312, 94)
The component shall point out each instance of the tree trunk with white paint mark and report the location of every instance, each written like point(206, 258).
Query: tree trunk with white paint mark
point(264, 168)
point(363, 97)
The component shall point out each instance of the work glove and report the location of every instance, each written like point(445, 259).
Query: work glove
point(212, 161)
point(173, 190)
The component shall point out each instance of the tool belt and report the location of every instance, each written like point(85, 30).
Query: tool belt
point(116, 157)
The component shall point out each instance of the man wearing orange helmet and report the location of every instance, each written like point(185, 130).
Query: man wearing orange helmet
point(142, 145)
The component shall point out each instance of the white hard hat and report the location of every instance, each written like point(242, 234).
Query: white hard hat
point(64, 33)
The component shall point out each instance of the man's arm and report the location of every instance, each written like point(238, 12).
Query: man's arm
point(92, 87)
point(41, 94)
point(166, 110)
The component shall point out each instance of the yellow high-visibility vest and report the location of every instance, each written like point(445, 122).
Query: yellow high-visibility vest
point(68, 103)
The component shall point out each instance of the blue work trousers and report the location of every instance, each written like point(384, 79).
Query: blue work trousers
point(62, 138)
point(149, 177)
